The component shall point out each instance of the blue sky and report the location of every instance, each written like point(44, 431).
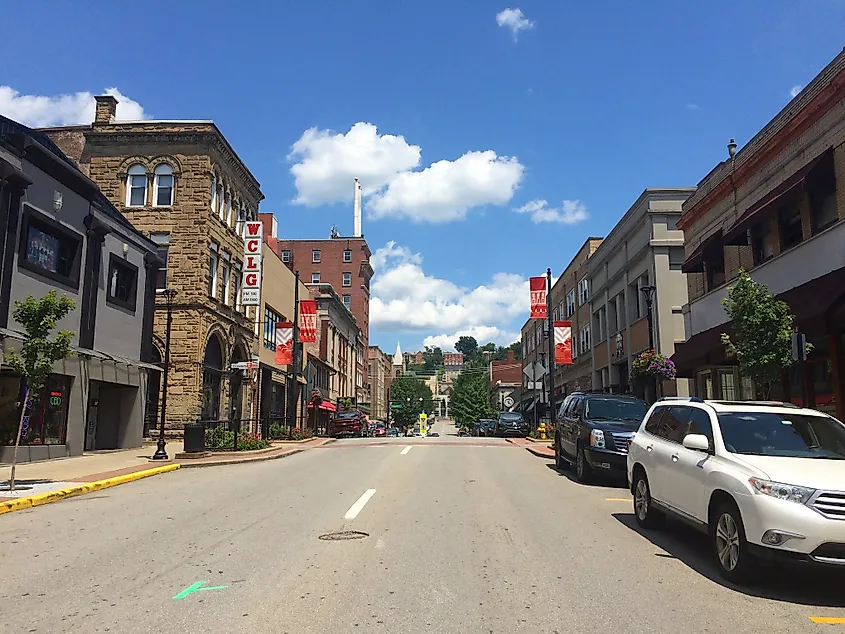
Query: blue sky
point(583, 102)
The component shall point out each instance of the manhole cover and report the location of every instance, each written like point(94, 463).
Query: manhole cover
point(343, 535)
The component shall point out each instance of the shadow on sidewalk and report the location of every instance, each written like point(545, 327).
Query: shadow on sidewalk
point(803, 585)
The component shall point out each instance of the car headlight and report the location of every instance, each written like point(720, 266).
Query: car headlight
point(597, 438)
point(782, 491)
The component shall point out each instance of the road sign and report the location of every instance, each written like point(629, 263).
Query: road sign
point(508, 401)
point(534, 371)
point(245, 365)
point(396, 406)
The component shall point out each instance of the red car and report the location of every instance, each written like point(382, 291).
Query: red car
point(349, 423)
point(380, 431)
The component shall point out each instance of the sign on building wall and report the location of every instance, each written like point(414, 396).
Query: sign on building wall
point(308, 321)
point(538, 297)
point(253, 242)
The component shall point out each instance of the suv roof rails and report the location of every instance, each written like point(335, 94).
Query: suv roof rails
point(691, 399)
point(761, 403)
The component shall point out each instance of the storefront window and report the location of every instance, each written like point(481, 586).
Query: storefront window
point(727, 385)
point(47, 424)
point(704, 384)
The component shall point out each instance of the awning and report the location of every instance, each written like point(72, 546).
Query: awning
point(767, 204)
point(702, 349)
point(695, 262)
point(325, 405)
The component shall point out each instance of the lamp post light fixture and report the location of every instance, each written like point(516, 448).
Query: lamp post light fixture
point(169, 294)
point(648, 293)
point(732, 149)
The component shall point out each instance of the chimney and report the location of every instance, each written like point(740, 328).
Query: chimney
point(106, 109)
point(356, 211)
point(510, 355)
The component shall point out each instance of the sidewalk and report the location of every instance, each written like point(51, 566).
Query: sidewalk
point(535, 447)
point(51, 480)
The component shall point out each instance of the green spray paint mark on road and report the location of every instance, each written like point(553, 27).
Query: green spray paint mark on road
point(197, 588)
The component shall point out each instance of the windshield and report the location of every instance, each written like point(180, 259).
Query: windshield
point(615, 409)
point(510, 416)
point(346, 415)
point(789, 435)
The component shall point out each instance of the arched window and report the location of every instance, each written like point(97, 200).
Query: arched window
point(163, 185)
point(230, 219)
point(239, 227)
point(214, 193)
point(221, 202)
point(136, 186)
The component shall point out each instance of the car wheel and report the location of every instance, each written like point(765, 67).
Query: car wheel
point(560, 463)
point(727, 533)
point(583, 471)
point(646, 515)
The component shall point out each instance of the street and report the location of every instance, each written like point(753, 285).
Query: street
point(463, 535)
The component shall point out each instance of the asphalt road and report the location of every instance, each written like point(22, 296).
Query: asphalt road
point(464, 535)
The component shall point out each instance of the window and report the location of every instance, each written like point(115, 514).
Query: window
point(699, 423)
point(50, 249)
point(237, 276)
point(227, 277)
point(791, 233)
point(762, 245)
point(221, 202)
point(136, 186)
point(212, 269)
point(584, 291)
point(570, 303)
point(584, 339)
point(347, 279)
point(783, 435)
point(315, 278)
point(653, 424)
point(347, 255)
point(123, 283)
point(47, 422)
point(673, 424)
point(286, 256)
point(823, 211)
point(214, 193)
point(315, 256)
point(271, 318)
point(163, 185)
point(347, 301)
point(715, 268)
point(162, 241)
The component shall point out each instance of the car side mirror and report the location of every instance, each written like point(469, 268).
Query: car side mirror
point(697, 442)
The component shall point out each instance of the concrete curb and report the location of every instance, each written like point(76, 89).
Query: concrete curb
point(221, 463)
point(539, 453)
point(81, 489)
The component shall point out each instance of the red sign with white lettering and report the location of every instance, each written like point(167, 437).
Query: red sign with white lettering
point(308, 321)
point(538, 297)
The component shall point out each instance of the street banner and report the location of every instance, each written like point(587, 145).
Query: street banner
point(253, 242)
point(563, 343)
point(538, 297)
point(284, 343)
point(308, 321)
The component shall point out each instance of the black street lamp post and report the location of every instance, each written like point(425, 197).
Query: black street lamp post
point(543, 379)
point(648, 293)
point(551, 335)
point(161, 453)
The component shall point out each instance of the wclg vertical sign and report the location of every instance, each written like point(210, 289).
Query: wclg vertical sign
point(253, 242)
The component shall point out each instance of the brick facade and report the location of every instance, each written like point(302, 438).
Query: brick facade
point(197, 155)
point(379, 383)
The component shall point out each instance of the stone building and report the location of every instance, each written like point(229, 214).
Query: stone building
point(645, 249)
point(379, 377)
point(62, 235)
point(183, 185)
point(777, 209)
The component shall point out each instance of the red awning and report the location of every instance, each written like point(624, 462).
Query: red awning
point(695, 262)
point(326, 405)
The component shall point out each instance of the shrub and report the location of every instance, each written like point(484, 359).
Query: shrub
point(298, 433)
point(277, 431)
point(251, 442)
point(219, 438)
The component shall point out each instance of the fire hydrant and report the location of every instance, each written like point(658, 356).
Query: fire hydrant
point(542, 431)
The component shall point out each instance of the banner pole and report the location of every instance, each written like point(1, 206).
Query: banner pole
point(551, 334)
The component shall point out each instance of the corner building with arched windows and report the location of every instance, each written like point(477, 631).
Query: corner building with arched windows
point(183, 185)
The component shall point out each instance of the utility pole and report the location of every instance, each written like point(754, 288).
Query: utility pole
point(293, 390)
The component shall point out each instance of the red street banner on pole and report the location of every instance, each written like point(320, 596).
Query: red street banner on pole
point(563, 343)
point(308, 321)
point(284, 343)
point(538, 297)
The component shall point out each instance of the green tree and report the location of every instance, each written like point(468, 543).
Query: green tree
point(39, 351)
point(468, 346)
point(433, 358)
point(414, 396)
point(470, 400)
point(763, 327)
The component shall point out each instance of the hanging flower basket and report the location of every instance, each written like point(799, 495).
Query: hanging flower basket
point(652, 364)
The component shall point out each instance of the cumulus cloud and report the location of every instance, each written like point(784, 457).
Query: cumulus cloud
point(72, 109)
point(406, 299)
point(482, 334)
point(447, 190)
point(325, 164)
point(570, 212)
point(515, 20)
point(793, 92)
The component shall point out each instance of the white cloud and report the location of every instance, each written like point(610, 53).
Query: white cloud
point(793, 92)
point(571, 212)
point(328, 162)
point(38, 111)
point(515, 20)
point(693, 107)
point(406, 299)
point(447, 190)
point(482, 334)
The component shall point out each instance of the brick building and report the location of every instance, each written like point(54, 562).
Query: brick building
point(379, 377)
point(182, 184)
point(776, 209)
point(505, 381)
point(342, 262)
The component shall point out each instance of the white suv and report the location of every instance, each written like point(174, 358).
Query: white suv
point(761, 478)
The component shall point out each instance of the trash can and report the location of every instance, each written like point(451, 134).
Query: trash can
point(194, 441)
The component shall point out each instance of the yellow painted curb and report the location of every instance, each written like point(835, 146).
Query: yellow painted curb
point(80, 489)
point(832, 620)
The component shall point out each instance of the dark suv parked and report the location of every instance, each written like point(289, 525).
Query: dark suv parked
point(510, 424)
point(593, 431)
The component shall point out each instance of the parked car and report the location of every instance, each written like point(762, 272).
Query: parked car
point(510, 424)
point(485, 427)
point(379, 431)
point(393, 432)
point(593, 430)
point(349, 423)
point(761, 479)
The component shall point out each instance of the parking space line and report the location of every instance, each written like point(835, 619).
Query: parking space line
point(356, 508)
point(407, 449)
point(828, 619)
